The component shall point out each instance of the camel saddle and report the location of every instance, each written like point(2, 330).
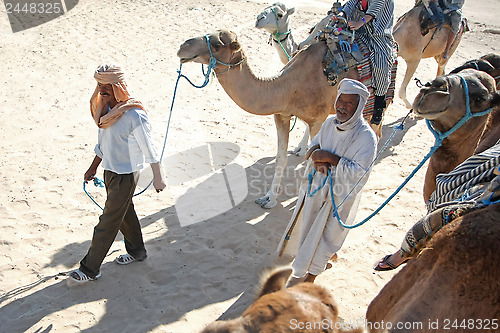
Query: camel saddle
point(343, 53)
point(437, 19)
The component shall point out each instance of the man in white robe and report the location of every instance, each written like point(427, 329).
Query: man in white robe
point(344, 148)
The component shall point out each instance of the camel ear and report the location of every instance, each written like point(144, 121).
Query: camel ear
point(275, 281)
point(291, 11)
point(485, 66)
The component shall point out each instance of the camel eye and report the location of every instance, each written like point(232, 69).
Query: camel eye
point(216, 46)
point(280, 15)
point(480, 100)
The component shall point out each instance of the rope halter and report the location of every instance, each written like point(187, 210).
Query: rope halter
point(214, 61)
point(278, 34)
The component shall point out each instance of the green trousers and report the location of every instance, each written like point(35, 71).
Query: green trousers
point(118, 214)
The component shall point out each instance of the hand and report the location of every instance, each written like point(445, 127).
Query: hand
point(322, 167)
point(89, 175)
point(159, 184)
point(355, 25)
point(320, 155)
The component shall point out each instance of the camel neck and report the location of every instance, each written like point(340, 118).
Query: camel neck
point(253, 94)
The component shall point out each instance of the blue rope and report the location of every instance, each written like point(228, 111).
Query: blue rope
point(212, 64)
point(439, 137)
point(310, 178)
point(98, 183)
point(278, 34)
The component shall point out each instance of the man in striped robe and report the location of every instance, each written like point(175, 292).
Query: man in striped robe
point(373, 20)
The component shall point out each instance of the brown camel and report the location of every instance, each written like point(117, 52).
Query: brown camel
point(452, 286)
point(489, 63)
point(306, 307)
point(412, 46)
point(300, 89)
point(443, 103)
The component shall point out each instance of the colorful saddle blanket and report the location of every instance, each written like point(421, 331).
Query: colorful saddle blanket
point(344, 54)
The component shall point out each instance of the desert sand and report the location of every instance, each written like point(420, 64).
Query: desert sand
point(196, 272)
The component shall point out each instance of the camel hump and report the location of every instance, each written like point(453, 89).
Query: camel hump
point(274, 281)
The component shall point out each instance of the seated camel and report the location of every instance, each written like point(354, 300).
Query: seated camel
point(443, 103)
point(300, 89)
point(306, 307)
point(452, 285)
point(489, 63)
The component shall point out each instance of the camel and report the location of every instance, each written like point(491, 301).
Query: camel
point(300, 89)
point(443, 103)
point(412, 46)
point(276, 20)
point(489, 63)
point(303, 307)
point(452, 285)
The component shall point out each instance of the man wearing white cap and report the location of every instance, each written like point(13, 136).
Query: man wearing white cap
point(342, 152)
point(124, 147)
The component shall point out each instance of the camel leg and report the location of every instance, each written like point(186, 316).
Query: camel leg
point(441, 64)
point(429, 182)
point(301, 149)
point(282, 127)
point(411, 67)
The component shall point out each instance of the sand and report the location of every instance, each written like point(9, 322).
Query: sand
point(195, 272)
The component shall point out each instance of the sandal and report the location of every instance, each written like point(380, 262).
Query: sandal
point(385, 261)
point(80, 277)
point(124, 259)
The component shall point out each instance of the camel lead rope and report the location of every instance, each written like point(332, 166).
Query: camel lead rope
point(439, 137)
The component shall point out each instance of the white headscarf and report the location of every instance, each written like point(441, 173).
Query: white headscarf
point(352, 87)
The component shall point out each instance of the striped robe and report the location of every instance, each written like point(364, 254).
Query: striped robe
point(476, 170)
point(377, 35)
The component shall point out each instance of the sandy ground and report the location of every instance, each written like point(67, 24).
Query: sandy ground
point(199, 272)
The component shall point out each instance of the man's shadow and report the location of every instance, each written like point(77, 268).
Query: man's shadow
point(218, 259)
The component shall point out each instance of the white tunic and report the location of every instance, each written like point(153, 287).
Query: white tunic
point(313, 234)
point(126, 146)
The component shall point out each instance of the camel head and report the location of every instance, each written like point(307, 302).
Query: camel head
point(275, 18)
point(443, 100)
point(489, 63)
point(280, 309)
point(223, 45)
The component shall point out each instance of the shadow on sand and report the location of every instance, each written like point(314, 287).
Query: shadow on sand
point(218, 259)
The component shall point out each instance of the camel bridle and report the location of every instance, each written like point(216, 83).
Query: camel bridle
point(439, 136)
point(213, 61)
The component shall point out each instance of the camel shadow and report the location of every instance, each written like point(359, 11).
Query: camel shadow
point(218, 259)
point(387, 131)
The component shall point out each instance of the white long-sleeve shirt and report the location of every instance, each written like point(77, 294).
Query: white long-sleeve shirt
point(126, 146)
